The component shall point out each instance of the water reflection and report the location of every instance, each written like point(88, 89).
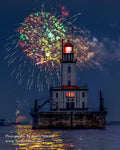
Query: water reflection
point(28, 139)
point(22, 137)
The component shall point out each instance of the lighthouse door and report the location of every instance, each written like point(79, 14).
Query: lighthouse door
point(72, 106)
point(67, 105)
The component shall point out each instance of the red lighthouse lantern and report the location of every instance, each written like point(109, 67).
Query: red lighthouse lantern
point(68, 48)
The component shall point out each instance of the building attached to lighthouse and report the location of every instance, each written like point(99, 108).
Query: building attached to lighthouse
point(68, 96)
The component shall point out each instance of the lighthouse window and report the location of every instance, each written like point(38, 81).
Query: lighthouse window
point(83, 105)
point(69, 83)
point(83, 94)
point(51, 95)
point(67, 94)
point(69, 69)
point(70, 94)
point(67, 50)
point(56, 95)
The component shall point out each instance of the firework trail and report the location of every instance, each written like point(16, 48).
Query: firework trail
point(36, 48)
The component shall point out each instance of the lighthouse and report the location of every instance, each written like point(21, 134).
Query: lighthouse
point(68, 96)
point(68, 102)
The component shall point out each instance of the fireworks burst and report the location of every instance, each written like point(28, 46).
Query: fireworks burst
point(40, 36)
point(36, 48)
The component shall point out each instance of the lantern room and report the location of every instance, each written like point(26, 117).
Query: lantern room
point(68, 48)
point(67, 52)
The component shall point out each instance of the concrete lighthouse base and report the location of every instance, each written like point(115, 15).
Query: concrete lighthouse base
point(69, 120)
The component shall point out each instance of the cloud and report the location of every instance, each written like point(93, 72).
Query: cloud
point(104, 52)
point(111, 49)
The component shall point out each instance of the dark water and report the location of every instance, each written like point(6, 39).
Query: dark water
point(21, 137)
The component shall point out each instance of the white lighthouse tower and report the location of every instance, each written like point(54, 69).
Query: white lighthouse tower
point(68, 96)
point(68, 66)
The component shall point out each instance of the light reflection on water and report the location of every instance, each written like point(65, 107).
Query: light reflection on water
point(27, 139)
point(41, 139)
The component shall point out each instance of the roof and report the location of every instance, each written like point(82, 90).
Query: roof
point(70, 87)
point(68, 44)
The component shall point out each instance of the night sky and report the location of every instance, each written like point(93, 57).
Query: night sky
point(101, 18)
